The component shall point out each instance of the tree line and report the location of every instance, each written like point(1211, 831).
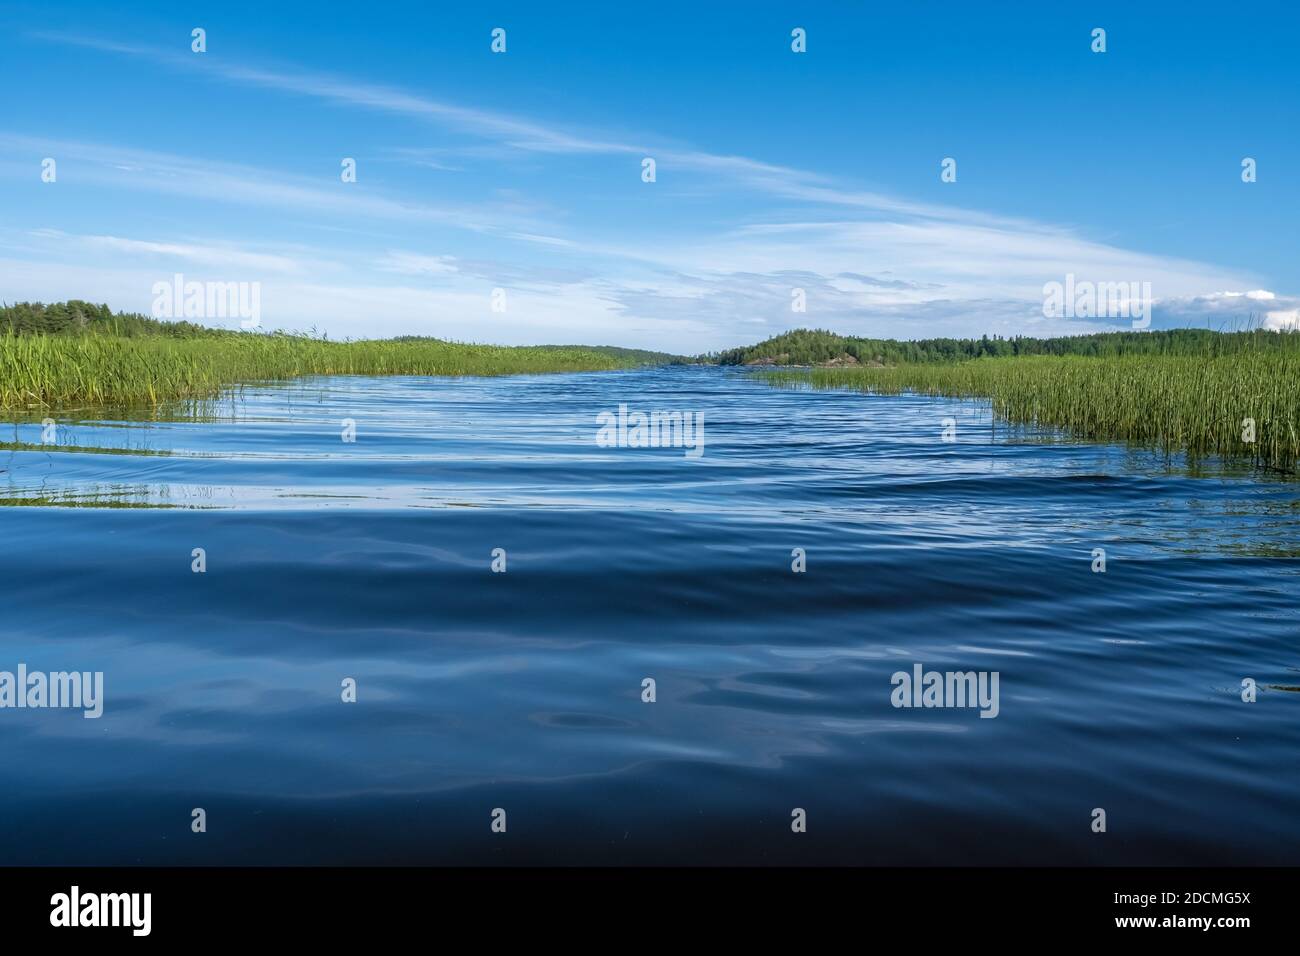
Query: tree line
point(76, 317)
point(818, 346)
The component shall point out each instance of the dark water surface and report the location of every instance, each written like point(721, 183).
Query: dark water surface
point(478, 690)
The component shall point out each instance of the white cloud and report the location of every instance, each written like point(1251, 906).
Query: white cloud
point(221, 256)
point(886, 265)
point(1284, 319)
point(521, 134)
point(134, 169)
point(410, 263)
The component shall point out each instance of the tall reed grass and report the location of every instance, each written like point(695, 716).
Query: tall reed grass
point(51, 371)
point(1197, 405)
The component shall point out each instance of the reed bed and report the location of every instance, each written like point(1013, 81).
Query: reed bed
point(52, 371)
point(1197, 405)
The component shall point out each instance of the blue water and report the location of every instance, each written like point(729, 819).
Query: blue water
point(522, 690)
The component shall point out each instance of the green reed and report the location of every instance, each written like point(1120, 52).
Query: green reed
point(52, 371)
point(1191, 404)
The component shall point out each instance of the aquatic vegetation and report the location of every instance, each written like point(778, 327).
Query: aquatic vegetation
point(40, 372)
point(1242, 404)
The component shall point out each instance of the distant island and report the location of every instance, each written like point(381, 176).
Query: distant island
point(817, 347)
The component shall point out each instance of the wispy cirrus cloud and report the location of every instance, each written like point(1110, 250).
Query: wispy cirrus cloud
point(113, 167)
point(868, 262)
point(511, 131)
point(220, 255)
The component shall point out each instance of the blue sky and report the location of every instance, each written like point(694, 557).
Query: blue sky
point(775, 170)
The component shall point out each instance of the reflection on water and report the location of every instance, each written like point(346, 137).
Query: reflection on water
point(370, 559)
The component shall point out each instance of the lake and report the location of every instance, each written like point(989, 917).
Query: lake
point(524, 690)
